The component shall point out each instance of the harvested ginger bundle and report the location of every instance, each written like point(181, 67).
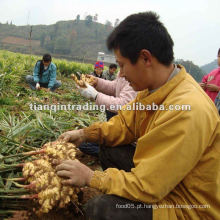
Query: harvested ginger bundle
point(83, 80)
point(44, 181)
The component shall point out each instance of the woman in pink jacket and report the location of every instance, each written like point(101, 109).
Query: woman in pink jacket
point(111, 94)
point(211, 82)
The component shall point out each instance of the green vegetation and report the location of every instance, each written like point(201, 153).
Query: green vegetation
point(192, 69)
point(22, 129)
point(210, 66)
point(78, 39)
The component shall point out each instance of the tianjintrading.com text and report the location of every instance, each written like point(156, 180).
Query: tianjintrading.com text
point(92, 107)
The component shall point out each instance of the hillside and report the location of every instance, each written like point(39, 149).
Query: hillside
point(74, 39)
point(195, 71)
point(210, 66)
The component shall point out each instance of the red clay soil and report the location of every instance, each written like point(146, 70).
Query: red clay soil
point(20, 41)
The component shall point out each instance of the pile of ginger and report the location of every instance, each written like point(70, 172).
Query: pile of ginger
point(44, 181)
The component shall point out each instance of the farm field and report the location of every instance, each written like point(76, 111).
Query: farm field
point(24, 129)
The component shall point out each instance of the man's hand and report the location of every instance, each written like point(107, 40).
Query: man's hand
point(48, 90)
point(89, 92)
point(212, 88)
point(203, 85)
point(76, 136)
point(77, 174)
point(37, 86)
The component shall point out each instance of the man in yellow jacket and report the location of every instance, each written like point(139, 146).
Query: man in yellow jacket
point(174, 171)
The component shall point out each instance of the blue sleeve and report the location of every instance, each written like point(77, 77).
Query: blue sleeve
point(36, 72)
point(217, 102)
point(52, 76)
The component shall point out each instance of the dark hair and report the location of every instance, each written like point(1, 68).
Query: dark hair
point(41, 68)
point(111, 66)
point(219, 51)
point(47, 58)
point(142, 31)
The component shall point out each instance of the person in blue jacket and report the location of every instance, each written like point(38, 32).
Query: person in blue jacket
point(217, 102)
point(44, 75)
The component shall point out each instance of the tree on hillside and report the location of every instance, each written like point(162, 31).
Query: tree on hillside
point(63, 38)
point(88, 20)
point(96, 34)
point(72, 37)
point(62, 46)
point(116, 22)
point(191, 68)
point(77, 19)
point(95, 18)
point(108, 25)
point(42, 39)
point(53, 33)
point(210, 66)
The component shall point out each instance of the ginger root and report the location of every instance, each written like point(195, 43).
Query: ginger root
point(84, 78)
point(41, 173)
